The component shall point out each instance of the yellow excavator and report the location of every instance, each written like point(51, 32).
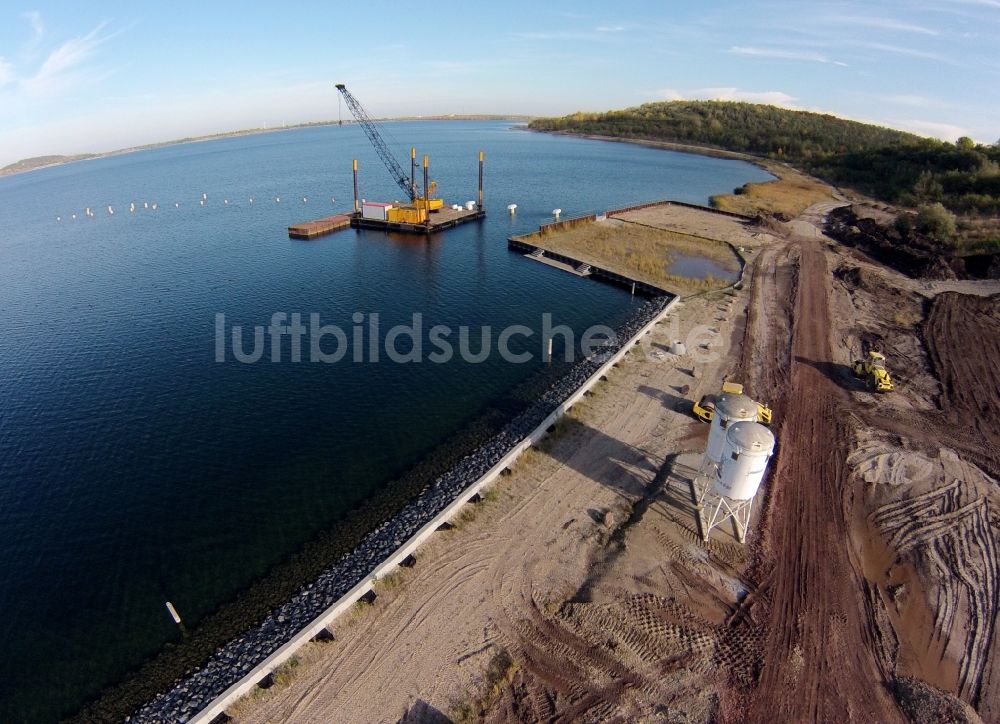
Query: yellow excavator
point(872, 370)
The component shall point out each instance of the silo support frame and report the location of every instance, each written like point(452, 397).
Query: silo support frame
point(722, 509)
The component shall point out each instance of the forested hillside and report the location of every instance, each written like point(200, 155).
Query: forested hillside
point(894, 166)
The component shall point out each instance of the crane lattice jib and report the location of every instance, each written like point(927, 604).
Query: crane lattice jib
point(381, 148)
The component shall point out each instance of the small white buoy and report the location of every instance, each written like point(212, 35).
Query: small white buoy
point(88, 211)
point(333, 200)
point(58, 218)
point(226, 202)
point(177, 204)
point(111, 211)
point(153, 207)
point(202, 202)
point(145, 204)
point(251, 199)
point(556, 212)
point(305, 199)
point(277, 199)
point(131, 207)
point(173, 613)
point(204, 197)
point(74, 216)
point(512, 208)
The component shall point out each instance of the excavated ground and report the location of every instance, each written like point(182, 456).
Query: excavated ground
point(868, 591)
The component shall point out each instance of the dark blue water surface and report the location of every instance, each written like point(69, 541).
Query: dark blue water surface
point(135, 469)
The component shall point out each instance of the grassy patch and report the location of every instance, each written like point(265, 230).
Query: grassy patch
point(281, 678)
point(789, 196)
point(525, 459)
point(285, 674)
point(638, 251)
point(390, 581)
point(467, 515)
point(498, 674)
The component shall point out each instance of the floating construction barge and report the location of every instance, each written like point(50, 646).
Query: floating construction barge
point(420, 215)
point(437, 221)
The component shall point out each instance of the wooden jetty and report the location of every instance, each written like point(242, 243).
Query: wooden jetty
point(319, 227)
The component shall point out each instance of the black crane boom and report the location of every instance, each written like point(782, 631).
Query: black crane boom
point(404, 182)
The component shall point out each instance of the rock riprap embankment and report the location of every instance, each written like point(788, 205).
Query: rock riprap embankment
point(232, 662)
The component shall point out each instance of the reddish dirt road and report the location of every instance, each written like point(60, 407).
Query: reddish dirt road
point(819, 661)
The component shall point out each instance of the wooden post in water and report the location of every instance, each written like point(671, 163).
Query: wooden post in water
point(481, 180)
point(413, 171)
point(356, 207)
point(427, 205)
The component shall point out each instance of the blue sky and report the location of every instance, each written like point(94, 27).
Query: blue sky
point(92, 76)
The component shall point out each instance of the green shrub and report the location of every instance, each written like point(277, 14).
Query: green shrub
point(936, 221)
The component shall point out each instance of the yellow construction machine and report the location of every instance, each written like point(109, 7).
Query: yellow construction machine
point(704, 409)
point(872, 370)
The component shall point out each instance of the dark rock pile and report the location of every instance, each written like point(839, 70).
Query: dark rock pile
point(232, 662)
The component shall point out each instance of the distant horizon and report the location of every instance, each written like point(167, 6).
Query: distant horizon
point(63, 158)
point(83, 78)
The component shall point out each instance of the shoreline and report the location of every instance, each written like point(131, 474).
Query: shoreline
point(81, 157)
point(441, 636)
point(763, 163)
point(232, 662)
point(112, 687)
point(179, 656)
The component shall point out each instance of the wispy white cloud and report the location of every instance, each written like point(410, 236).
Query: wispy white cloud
point(62, 66)
point(774, 98)
point(882, 23)
point(944, 131)
point(6, 73)
point(905, 99)
point(909, 52)
point(808, 56)
point(548, 35)
point(981, 3)
point(34, 19)
point(609, 28)
point(452, 66)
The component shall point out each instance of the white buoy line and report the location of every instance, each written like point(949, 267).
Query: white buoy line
point(135, 206)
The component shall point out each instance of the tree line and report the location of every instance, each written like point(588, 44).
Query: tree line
point(894, 166)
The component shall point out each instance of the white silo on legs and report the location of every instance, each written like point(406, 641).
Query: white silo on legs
point(730, 491)
point(729, 409)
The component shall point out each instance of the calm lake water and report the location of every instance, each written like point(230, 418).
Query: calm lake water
point(135, 469)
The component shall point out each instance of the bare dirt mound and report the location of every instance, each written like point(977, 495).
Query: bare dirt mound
point(916, 255)
point(963, 338)
point(922, 508)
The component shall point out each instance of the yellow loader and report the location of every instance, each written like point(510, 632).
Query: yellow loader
point(872, 370)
